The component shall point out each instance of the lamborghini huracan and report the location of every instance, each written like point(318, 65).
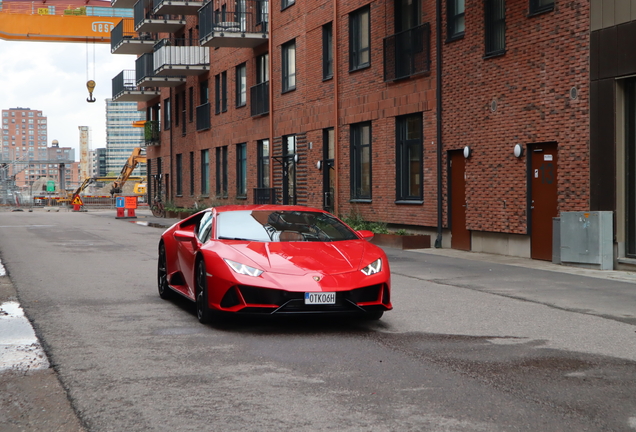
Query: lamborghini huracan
point(275, 260)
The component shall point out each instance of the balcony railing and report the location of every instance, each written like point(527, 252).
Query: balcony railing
point(146, 76)
point(174, 56)
point(203, 117)
point(124, 87)
point(147, 21)
point(264, 196)
point(152, 132)
point(407, 53)
point(125, 40)
point(180, 7)
point(242, 25)
point(259, 99)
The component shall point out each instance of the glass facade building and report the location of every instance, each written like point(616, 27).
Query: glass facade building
point(121, 136)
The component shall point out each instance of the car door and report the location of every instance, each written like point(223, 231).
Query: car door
point(187, 250)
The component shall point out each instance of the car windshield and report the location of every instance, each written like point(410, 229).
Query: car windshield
point(281, 226)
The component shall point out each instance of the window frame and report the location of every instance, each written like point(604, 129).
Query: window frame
point(167, 114)
point(220, 92)
point(357, 152)
point(284, 4)
point(241, 170)
point(221, 172)
point(288, 75)
point(241, 85)
point(452, 18)
point(327, 51)
point(535, 8)
point(357, 39)
point(262, 163)
point(403, 172)
point(493, 24)
point(205, 172)
point(179, 174)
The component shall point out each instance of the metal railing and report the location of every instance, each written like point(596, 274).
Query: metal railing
point(203, 117)
point(242, 16)
point(144, 68)
point(407, 53)
point(124, 81)
point(180, 52)
point(152, 132)
point(259, 99)
point(125, 29)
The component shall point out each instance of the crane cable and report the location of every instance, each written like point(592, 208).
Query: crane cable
point(90, 81)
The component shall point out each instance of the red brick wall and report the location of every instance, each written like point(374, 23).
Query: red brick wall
point(546, 56)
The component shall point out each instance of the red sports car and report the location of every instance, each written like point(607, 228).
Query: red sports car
point(272, 259)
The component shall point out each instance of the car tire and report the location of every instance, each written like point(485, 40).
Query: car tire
point(374, 316)
point(162, 274)
point(204, 314)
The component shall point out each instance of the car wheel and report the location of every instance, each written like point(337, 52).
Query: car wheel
point(374, 316)
point(204, 314)
point(162, 274)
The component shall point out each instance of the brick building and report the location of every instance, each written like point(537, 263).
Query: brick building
point(343, 105)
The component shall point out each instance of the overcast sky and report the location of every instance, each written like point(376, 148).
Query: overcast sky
point(51, 77)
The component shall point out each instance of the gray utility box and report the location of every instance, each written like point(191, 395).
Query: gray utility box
point(587, 239)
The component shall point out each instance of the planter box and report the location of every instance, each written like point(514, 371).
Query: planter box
point(402, 241)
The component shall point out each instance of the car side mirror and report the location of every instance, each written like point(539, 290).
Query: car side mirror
point(183, 235)
point(366, 234)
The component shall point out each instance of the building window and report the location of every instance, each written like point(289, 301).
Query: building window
point(179, 169)
point(289, 66)
point(176, 109)
point(166, 113)
point(262, 68)
point(241, 170)
point(495, 26)
point(359, 39)
point(191, 104)
point(361, 161)
point(409, 164)
point(205, 172)
point(284, 4)
point(455, 20)
point(191, 173)
point(540, 6)
point(221, 171)
point(203, 93)
point(241, 85)
point(327, 51)
point(220, 83)
point(262, 164)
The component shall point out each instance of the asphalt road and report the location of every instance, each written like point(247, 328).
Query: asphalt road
point(471, 345)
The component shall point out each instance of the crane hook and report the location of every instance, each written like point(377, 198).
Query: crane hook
point(90, 85)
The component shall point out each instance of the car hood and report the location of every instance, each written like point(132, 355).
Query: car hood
point(298, 258)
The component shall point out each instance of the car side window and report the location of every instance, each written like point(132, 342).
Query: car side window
point(205, 227)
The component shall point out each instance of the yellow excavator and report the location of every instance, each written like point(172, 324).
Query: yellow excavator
point(138, 156)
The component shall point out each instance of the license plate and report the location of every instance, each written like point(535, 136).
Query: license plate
point(320, 298)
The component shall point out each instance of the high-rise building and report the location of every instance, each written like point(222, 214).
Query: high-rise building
point(24, 134)
point(121, 136)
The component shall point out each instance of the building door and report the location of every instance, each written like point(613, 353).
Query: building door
point(460, 235)
point(289, 170)
point(543, 198)
point(328, 177)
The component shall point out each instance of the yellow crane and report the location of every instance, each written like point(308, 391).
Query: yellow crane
point(138, 156)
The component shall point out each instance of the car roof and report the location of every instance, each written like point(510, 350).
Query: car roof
point(265, 207)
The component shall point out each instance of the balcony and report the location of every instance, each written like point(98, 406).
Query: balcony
point(152, 132)
point(125, 4)
point(259, 98)
point(203, 117)
point(264, 196)
point(145, 74)
point(125, 89)
point(407, 53)
point(125, 40)
point(178, 57)
point(176, 7)
point(146, 21)
point(242, 25)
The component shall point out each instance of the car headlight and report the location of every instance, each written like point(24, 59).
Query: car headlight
point(243, 269)
point(373, 268)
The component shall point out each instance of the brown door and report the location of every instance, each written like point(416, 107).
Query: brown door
point(460, 236)
point(543, 198)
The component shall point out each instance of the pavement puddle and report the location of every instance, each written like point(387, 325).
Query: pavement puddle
point(20, 349)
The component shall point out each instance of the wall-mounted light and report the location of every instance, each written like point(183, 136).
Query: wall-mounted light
point(467, 152)
point(517, 150)
point(296, 158)
point(319, 165)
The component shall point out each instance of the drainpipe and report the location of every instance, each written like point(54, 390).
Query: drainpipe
point(336, 103)
point(438, 97)
point(270, 56)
